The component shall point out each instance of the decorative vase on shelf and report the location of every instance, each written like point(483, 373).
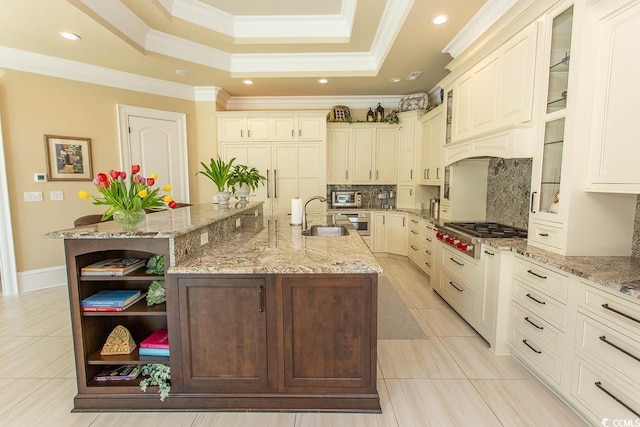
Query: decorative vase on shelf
point(129, 219)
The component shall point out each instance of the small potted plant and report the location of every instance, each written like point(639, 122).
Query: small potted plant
point(219, 172)
point(244, 180)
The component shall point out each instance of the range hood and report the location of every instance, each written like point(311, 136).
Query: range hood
point(516, 142)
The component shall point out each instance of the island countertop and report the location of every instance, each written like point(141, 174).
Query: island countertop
point(280, 248)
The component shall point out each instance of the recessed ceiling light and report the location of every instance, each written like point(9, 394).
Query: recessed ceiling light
point(440, 19)
point(183, 72)
point(395, 79)
point(69, 36)
point(323, 81)
point(248, 82)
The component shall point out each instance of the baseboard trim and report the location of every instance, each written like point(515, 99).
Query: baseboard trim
point(42, 278)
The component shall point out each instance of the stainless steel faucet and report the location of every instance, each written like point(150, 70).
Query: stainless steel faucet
point(304, 210)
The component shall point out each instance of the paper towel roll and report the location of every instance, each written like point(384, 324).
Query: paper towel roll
point(296, 211)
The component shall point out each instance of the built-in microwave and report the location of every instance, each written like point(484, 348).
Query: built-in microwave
point(346, 199)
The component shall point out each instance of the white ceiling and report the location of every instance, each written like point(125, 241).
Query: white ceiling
point(284, 46)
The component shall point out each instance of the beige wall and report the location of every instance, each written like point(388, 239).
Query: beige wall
point(31, 106)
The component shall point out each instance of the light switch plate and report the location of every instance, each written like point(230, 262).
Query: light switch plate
point(56, 195)
point(33, 196)
point(204, 238)
point(238, 222)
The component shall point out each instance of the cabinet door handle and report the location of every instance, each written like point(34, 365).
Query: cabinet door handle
point(428, 251)
point(531, 206)
point(411, 174)
point(456, 261)
point(268, 195)
point(411, 191)
point(429, 173)
point(414, 248)
point(538, 327)
point(457, 288)
point(414, 231)
point(617, 399)
point(437, 173)
point(292, 134)
point(404, 220)
point(428, 239)
point(631, 355)
point(414, 221)
point(489, 253)
point(275, 184)
point(346, 174)
point(536, 300)
point(369, 174)
point(376, 175)
point(536, 274)
point(428, 265)
point(529, 345)
point(299, 132)
point(249, 133)
point(606, 306)
point(543, 234)
point(424, 174)
point(260, 299)
point(383, 219)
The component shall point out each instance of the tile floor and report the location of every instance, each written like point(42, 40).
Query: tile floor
point(451, 378)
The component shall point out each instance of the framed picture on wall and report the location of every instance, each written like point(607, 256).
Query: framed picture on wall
point(68, 158)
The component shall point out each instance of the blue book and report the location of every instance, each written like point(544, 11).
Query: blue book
point(111, 298)
point(153, 351)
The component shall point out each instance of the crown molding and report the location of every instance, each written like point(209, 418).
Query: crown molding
point(267, 29)
point(117, 15)
point(478, 24)
point(206, 93)
point(245, 103)
point(30, 62)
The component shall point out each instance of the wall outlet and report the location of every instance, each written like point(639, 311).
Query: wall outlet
point(238, 222)
point(56, 195)
point(204, 238)
point(256, 213)
point(33, 196)
point(40, 177)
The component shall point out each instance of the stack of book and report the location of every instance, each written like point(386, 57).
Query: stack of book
point(156, 344)
point(113, 267)
point(119, 373)
point(112, 300)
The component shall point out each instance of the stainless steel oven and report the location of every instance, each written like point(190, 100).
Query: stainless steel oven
point(346, 199)
point(360, 220)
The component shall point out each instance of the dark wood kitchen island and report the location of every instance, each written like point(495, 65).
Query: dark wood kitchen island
point(260, 318)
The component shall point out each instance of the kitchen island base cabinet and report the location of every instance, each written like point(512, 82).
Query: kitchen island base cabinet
point(275, 342)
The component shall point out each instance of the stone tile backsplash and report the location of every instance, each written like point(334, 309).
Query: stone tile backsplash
point(370, 193)
point(508, 189)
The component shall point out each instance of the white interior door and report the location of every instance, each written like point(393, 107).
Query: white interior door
point(156, 140)
point(8, 273)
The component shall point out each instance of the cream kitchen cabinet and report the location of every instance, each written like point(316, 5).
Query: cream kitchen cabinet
point(243, 128)
point(558, 196)
point(432, 138)
point(389, 232)
point(408, 147)
point(497, 92)
point(362, 154)
point(464, 191)
point(614, 31)
point(420, 238)
point(298, 128)
point(292, 170)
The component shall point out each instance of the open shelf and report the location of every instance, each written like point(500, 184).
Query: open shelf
point(125, 359)
point(133, 276)
point(138, 309)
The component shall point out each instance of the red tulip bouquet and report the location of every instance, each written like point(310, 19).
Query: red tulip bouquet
point(132, 195)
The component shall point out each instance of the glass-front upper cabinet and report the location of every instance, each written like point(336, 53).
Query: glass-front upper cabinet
point(449, 113)
point(551, 166)
point(559, 61)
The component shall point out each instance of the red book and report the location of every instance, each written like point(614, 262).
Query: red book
point(158, 339)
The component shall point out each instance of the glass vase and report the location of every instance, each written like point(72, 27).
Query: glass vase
point(129, 219)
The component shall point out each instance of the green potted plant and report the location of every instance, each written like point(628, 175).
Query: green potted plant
point(244, 180)
point(219, 172)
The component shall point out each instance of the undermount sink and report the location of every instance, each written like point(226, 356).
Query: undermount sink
point(326, 230)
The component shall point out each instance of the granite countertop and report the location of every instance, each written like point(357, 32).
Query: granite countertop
point(279, 248)
point(162, 224)
point(619, 273)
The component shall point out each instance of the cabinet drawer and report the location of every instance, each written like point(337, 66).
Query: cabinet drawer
point(464, 267)
point(457, 294)
point(544, 279)
point(535, 326)
point(622, 312)
point(539, 304)
point(609, 347)
point(603, 394)
point(545, 234)
point(540, 357)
